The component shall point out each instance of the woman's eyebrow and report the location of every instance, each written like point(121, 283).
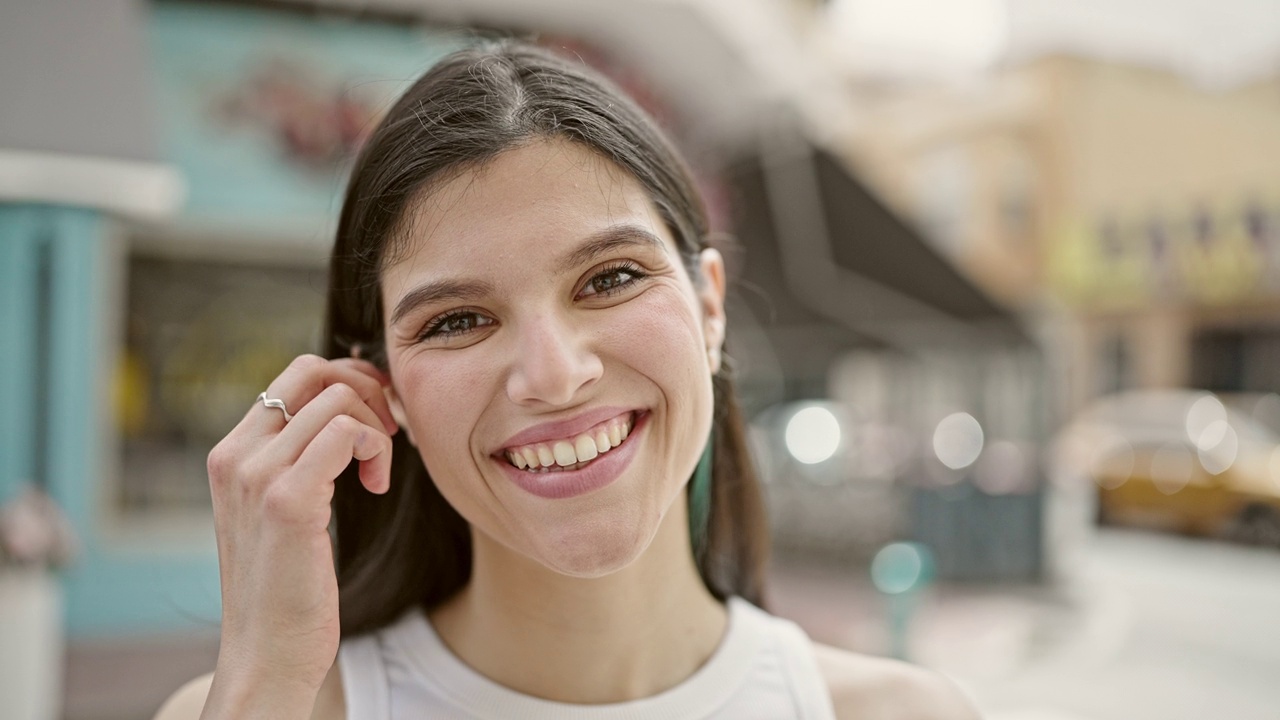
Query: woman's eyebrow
point(611, 238)
point(464, 290)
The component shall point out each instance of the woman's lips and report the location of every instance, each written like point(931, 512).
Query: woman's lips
point(572, 452)
point(574, 480)
point(567, 427)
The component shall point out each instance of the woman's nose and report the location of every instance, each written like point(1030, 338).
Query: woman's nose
point(552, 363)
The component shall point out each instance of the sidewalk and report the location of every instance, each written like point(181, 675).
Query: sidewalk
point(969, 632)
point(1149, 627)
point(979, 636)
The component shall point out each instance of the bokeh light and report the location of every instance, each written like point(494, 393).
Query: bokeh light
point(1003, 468)
point(813, 435)
point(957, 441)
point(1201, 421)
point(899, 567)
point(1221, 455)
point(1213, 435)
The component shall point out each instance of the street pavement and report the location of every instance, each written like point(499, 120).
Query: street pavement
point(1142, 627)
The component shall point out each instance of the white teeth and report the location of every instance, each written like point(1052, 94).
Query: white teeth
point(530, 457)
point(585, 448)
point(545, 457)
point(564, 453)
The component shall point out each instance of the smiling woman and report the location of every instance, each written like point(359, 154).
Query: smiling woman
point(553, 513)
point(585, 315)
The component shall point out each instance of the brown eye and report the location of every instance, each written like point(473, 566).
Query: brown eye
point(614, 279)
point(458, 323)
point(451, 324)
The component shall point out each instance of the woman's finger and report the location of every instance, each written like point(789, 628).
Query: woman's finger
point(334, 401)
point(338, 442)
point(373, 394)
point(308, 376)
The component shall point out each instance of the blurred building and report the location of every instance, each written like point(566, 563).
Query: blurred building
point(1129, 211)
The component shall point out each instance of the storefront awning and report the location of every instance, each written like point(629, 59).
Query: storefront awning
point(825, 267)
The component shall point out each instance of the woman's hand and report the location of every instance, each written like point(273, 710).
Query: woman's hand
point(272, 482)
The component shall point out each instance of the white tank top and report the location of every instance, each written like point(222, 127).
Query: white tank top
point(763, 669)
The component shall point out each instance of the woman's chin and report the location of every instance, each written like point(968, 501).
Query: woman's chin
point(596, 551)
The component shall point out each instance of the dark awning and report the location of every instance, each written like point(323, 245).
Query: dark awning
point(825, 268)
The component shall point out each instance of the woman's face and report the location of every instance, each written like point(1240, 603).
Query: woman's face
point(542, 305)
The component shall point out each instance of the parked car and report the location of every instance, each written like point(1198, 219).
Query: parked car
point(1182, 460)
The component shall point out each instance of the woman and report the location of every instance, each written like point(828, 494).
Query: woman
point(553, 514)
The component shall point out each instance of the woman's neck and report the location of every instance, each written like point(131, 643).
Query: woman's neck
point(631, 634)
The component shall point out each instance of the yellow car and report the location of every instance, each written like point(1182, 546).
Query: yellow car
point(1187, 461)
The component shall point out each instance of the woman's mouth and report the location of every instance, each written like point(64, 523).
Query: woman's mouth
point(576, 465)
point(574, 452)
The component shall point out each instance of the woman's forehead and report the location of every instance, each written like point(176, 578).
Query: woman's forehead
point(539, 198)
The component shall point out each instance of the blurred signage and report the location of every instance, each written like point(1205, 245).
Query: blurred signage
point(1202, 254)
point(262, 110)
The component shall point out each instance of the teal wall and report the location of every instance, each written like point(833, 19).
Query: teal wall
point(52, 313)
point(20, 230)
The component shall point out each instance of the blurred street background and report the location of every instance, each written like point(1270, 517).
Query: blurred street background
point(1005, 315)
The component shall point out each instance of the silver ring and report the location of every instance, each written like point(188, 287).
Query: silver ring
point(274, 403)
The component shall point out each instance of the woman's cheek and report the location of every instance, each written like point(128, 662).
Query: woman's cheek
point(663, 342)
point(660, 326)
point(451, 383)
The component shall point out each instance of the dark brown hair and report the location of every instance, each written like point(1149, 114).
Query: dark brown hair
point(410, 547)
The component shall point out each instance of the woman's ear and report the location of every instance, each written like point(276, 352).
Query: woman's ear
point(397, 412)
point(711, 297)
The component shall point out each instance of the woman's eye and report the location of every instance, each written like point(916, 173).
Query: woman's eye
point(613, 279)
point(454, 324)
point(603, 284)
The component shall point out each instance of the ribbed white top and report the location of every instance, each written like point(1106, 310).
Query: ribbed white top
point(763, 668)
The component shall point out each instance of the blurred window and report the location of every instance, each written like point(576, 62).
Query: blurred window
point(1236, 359)
point(203, 337)
point(1114, 364)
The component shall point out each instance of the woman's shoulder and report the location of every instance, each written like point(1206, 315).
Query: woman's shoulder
point(187, 703)
point(873, 688)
